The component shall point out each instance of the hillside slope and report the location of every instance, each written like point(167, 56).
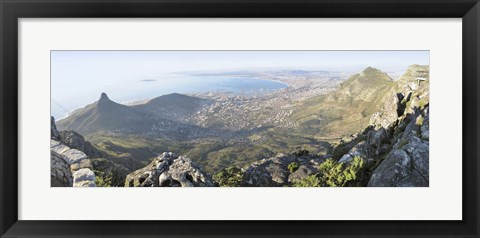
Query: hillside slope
point(348, 109)
point(104, 114)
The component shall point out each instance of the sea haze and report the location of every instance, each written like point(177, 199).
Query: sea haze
point(147, 88)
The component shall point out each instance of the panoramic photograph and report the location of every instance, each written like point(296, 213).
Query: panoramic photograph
point(239, 118)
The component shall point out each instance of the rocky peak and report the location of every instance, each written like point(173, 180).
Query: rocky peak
point(104, 99)
point(370, 71)
point(104, 96)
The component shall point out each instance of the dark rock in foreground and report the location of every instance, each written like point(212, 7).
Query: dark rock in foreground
point(68, 166)
point(169, 170)
point(274, 172)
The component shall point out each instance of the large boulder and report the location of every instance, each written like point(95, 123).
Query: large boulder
point(406, 166)
point(274, 172)
point(302, 173)
point(169, 170)
point(70, 167)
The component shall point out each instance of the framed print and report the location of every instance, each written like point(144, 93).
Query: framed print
point(227, 118)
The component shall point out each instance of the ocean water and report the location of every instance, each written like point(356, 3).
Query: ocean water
point(66, 100)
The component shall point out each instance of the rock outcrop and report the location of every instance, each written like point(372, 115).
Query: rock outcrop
point(69, 167)
point(274, 172)
point(407, 165)
point(76, 141)
point(169, 170)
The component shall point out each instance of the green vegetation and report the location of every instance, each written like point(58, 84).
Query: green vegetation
point(334, 174)
point(310, 181)
point(422, 102)
point(292, 167)
point(229, 177)
point(419, 121)
point(100, 182)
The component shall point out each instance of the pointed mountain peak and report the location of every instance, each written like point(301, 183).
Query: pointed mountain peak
point(373, 73)
point(370, 70)
point(103, 97)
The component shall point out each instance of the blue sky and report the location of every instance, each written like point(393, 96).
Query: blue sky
point(80, 75)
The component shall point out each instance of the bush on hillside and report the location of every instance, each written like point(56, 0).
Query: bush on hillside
point(228, 177)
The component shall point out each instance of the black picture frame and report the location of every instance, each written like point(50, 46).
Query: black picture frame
point(12, 10)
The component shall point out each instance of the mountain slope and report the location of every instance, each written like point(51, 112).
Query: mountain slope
point(104, 115)
point(348, 109)
point(177, 107)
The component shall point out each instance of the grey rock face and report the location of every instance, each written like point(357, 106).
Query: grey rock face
point(377, 138)
point(74, 140)
point(395, 168)
point(169, 170)
point(274, 172)
point(70, 167)
point(399, 170)
point(408, 164)
point(83, 175)
point(389, 113)
point(425, 126)
point(61, 175)
point(375, 145)
point(361, 150)
point(53, 130)
point(301, 173)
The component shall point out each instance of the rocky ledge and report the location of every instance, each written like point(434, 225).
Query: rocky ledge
point(70, 167)
point(169, 170)
point(275, 171)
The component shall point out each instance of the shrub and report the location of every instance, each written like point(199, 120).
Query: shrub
point(334, 174)
point(310, 181)
point(100, 182)
point(331, 173)
point(229, 177)
point(293, 167)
